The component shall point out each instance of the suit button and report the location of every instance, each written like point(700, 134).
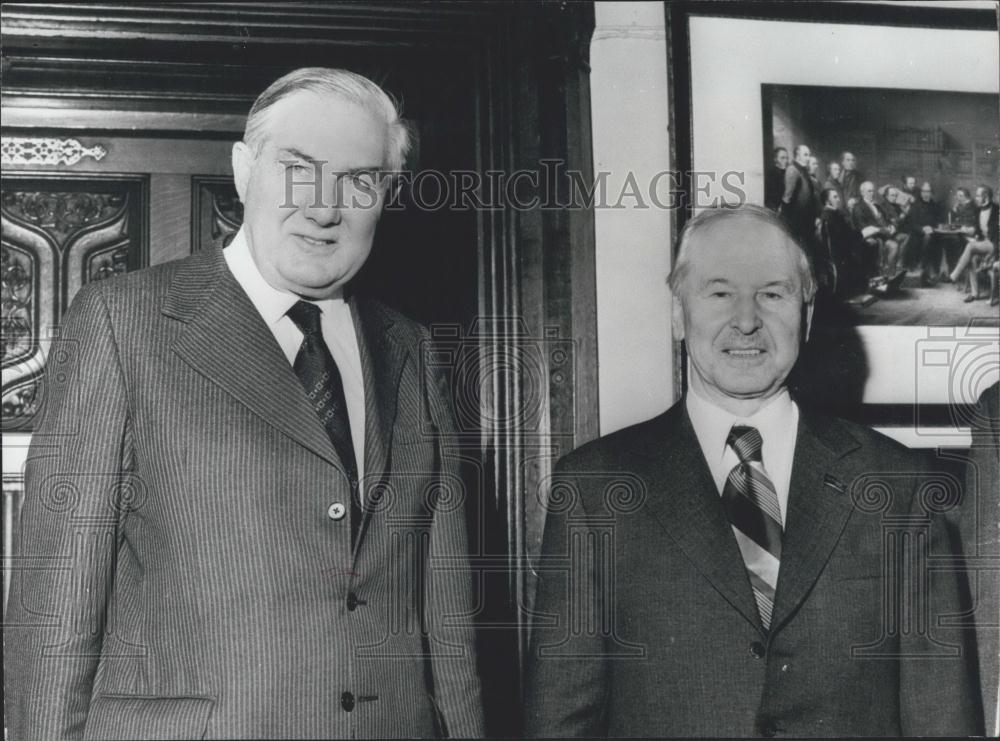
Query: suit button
point(336, 511)
point(757, 650)
point(352, 601)
point(347, 701)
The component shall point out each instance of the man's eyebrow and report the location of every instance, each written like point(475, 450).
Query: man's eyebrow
point(781, 283)
point(297, 153)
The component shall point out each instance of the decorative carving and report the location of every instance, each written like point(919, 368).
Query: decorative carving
point(216, 211)
point(15, 296)
point(59, 233)
point(18, 150)
point(63, 214)
point(20, 404)
point(108, 266)
point(227, 212)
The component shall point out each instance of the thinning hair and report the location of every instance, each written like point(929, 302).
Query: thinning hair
point(710, 216)
point(988, 190)
point(799, 148)
point(340, 83)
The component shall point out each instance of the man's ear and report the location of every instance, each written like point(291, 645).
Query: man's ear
point(808, 317)
point(242, 160)
point(677, 318)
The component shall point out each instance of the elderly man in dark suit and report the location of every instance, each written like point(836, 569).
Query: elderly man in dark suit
point(732, 566)
point(240, 489)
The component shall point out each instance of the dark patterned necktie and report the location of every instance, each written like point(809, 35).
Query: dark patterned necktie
point(751, 503)
point(324, 387)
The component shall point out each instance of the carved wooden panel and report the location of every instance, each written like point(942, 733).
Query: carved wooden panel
point(58, 233)
point(216, 211)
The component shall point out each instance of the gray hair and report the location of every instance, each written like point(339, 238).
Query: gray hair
point(710, 216)
point(346, 85)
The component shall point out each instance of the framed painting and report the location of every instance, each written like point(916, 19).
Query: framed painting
point(912, 94)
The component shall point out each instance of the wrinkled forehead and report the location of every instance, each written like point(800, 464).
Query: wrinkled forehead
point(325, 124)
point(744, 246)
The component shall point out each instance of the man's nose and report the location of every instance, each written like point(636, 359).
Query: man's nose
point(746, 317)
point(326, 206)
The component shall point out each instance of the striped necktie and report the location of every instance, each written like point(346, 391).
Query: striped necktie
point(320, 377)
point(751, 503)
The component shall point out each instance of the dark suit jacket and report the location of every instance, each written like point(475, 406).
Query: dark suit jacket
point(967, 215)
point(189, 581)
point(852, 180)
point(799, 197)
point(672, 644)
point(980, 514)
point(774, 186)
point(923, 214)
point(862, 216)
point(992, 225)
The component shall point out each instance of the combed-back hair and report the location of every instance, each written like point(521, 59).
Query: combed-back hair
point(714, 215)
point(343, 84)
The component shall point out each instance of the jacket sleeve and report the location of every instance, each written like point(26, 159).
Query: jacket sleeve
point(449, 582)
point(62, 578)
point(567, 674)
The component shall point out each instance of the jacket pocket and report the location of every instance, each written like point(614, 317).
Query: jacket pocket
point(124, 717)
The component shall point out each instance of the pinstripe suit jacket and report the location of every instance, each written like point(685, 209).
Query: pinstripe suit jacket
point(646, 624)
point(182, 576)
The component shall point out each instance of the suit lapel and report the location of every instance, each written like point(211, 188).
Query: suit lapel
point(227, 342)
point(819, 507)
point(383, 356)
point(689, 509)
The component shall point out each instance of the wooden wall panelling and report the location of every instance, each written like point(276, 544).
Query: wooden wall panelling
point(60, 232)
point(216, 210)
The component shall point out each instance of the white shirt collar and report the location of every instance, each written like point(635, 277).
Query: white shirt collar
point(272, 303)
point(712, 423)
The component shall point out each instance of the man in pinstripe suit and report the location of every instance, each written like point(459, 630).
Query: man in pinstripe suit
point(239, 496)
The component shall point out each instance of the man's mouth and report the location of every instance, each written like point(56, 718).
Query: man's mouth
point(317, 242)
point(750, 352)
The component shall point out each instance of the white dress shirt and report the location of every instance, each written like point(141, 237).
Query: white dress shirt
point(778, 424)
point(336, 323)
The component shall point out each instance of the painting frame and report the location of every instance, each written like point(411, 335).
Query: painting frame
point(921, 381)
